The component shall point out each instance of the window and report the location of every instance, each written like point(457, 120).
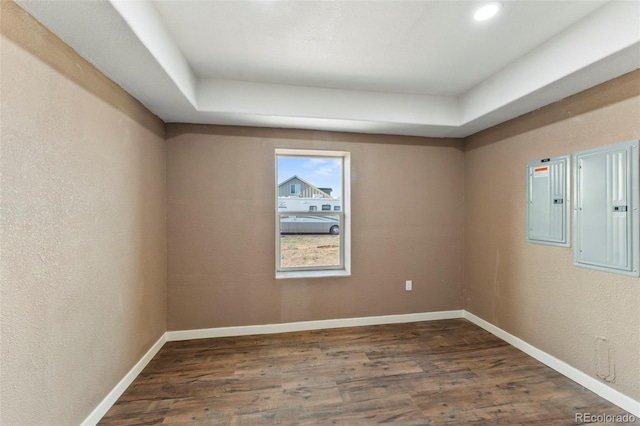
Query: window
point(309, 242)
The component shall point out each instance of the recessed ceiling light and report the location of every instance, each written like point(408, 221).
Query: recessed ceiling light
point(487, 11)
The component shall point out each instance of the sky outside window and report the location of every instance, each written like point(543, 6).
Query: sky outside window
point(322, 172)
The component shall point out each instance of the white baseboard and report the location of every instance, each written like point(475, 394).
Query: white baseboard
point(621, 400)
point(207, 333)
point(599, 388)
point(119, 389)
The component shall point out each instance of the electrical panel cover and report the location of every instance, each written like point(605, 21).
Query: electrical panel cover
point(606, 208)
point(548, 201)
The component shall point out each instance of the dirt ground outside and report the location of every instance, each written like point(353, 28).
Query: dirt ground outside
point(309, 250)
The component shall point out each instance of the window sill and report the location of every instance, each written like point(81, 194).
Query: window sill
point(312, 274)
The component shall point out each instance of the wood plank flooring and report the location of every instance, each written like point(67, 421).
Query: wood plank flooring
point(436, 372)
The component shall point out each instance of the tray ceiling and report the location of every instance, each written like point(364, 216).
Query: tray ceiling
point(392, 67)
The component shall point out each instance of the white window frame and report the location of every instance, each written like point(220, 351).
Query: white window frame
point(345, 230)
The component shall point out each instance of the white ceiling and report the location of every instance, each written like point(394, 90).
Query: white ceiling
point(421, 68)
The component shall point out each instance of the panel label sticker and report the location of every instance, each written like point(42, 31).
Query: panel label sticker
point(540, 172)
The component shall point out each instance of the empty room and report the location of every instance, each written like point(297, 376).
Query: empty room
point(319, 212)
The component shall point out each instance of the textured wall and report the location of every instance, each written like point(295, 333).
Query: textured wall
point(83, 256)
point(82, 229)
point(407, 224)
point(534, 291)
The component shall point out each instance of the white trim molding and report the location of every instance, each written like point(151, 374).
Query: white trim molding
point(123, 384)
point(618, 398)
point(208, 333)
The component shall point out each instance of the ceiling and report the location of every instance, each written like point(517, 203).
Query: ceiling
point(423, 68)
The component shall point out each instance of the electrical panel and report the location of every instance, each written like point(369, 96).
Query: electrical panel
point(606, 208)
point(548, 201)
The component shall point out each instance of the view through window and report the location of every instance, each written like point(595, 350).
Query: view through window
point(310, 211)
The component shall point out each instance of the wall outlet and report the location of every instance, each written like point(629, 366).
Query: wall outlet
point(408, 285)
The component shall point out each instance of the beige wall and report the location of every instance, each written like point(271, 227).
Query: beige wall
point(82, 229)
point(83, 238)
point(534, 291)
point(407, 224)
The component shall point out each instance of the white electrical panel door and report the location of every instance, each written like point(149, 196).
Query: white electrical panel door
point(606, 208)
point(548, 201)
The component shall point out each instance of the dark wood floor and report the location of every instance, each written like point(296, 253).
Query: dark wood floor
point(437, 372)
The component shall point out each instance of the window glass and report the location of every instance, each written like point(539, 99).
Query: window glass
point(310, 212)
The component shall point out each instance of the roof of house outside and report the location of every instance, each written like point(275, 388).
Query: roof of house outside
point(307, 183)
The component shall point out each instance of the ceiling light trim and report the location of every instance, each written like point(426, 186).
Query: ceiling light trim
point(487, 11)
